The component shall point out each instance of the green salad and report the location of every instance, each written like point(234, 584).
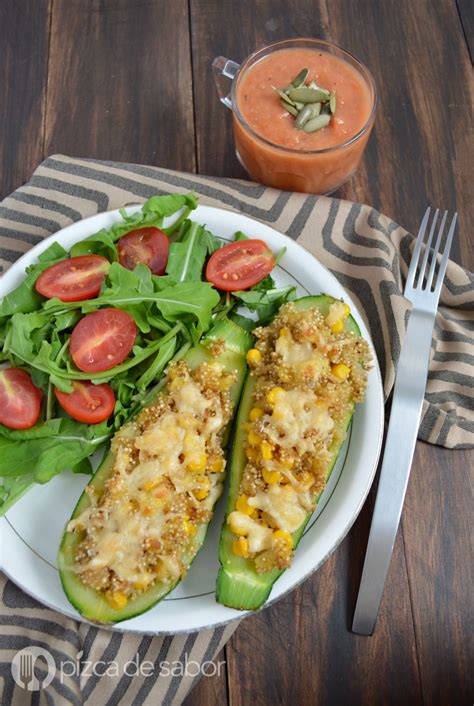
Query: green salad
point(86, 336)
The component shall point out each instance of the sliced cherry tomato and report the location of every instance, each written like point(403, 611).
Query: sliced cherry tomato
point(20, 400)
point(240, 265)
point(149, 246)
point(88, 403)
point(74, 279)
point(102, 340)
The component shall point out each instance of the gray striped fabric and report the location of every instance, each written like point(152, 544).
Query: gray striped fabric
point(369, 255)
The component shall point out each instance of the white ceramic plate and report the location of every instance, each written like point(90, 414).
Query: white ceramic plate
point(30, 532)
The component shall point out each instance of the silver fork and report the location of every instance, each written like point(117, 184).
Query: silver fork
point(409, 390)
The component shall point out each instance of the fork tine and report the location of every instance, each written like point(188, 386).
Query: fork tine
point(444, 259)
point(421, 276)
point(436, 252)
point(416, 252)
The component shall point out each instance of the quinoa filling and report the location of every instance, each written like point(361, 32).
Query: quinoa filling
point(308, 373)
point(142, 526)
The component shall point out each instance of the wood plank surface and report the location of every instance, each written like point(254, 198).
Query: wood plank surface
point(421, 152)
point(210, 691)
point(119, 84)
point(116, 79)
point(24, 38)
point(466, 15)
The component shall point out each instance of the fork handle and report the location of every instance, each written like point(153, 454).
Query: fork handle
point(402, 433)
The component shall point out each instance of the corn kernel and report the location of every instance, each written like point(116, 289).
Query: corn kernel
point(347, 310)
point(197, 464)
point(267, 451)
point(273, 394)
point(252, 454)
point(240, 547)
point(201, 494)
point(338, 326)
point(253, 439)
point(254, 356)
point(341, 371)
point(189, 528)
point(285, 536)
point(116, 599)
point(284, 331)
point(217, 466)
point(287, 462)
point(242, 505)
point(255, 414)
point(271, 477)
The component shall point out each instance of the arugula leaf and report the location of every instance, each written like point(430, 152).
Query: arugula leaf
point(35, 452)
point(243, 321)
point(164, 206)
point(53, 253)
point(239, 235)
point(101, 243)
point(25, 298)
point(189, 302)
point(265, 302)
point(152, 213)
point(12, 489)
point(187, 256)
point(213, 243)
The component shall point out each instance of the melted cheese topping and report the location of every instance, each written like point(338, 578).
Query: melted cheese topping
point(295, 415)
point(165, 481)
point(281, 503)
point(308, 374)
point(337, 312)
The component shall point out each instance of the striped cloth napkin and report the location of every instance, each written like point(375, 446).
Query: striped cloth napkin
point(367, 252)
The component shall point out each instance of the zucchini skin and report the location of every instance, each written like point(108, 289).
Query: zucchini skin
point(238, 585)
point(91, 603)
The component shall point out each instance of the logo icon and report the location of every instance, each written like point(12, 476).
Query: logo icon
point(24, 664)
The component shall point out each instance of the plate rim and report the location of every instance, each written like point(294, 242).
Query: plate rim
point(18, 267)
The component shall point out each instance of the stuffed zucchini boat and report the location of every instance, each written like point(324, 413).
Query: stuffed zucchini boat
point(143, 517)
point(308, 370)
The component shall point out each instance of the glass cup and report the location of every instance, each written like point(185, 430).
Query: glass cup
point(320, 171)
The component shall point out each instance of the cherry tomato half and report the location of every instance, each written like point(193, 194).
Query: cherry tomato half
point(88, 403)
point(20, 400)
point(240, 265)
point(74, 279)
point(102, 340)
point(149, 246)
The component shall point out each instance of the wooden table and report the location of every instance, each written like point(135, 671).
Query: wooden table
point(130, 80)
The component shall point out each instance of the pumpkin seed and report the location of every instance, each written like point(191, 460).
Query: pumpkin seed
point(289, 108)
point(314, 85)
point(307, 95)
point(311, 110)
point(299, 80)
point(332, 102)
point(304, 115)
point(299, 106)
point(317, 123)
point(284, 96)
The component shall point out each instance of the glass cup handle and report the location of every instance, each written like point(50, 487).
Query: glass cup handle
point(224, 69)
